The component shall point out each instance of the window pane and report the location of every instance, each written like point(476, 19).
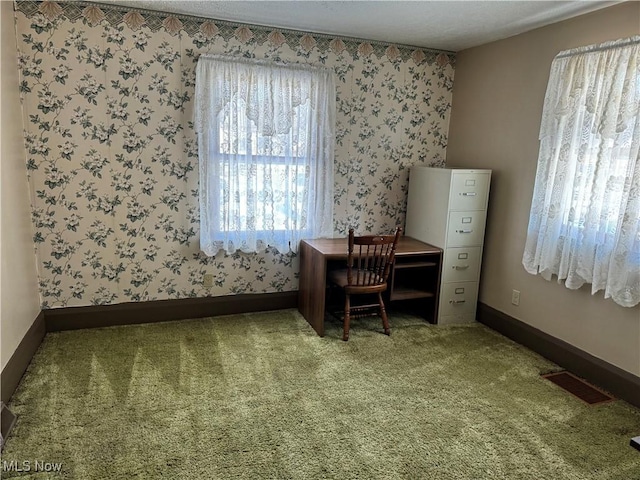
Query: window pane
point(274, 192)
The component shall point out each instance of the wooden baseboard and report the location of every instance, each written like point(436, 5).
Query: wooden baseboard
point(19, 361)
point(616, 381)
point(72, 318)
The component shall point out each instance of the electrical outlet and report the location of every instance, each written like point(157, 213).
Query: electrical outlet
point(207, 280)
point(515, 297)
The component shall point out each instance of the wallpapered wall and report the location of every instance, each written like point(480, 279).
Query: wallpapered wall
point(112, 158)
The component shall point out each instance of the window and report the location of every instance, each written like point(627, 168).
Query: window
point(584, 225)
point(266, 141)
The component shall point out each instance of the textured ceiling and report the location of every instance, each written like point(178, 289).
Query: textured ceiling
point(445, 25)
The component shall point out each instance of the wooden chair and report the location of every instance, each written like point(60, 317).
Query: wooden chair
point(366, 274)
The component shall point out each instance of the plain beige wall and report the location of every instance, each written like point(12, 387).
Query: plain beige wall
point(498, 95)
point(19, 297)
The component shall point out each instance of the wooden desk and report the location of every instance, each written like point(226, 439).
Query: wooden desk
point(415, 274)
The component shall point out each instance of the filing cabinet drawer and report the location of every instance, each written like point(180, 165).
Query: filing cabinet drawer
point(461, 264)
point(458, 298)
point(469, 191)
point(466, 229)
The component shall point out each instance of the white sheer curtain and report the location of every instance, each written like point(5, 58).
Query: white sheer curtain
point(266, 148)
point(585, 214)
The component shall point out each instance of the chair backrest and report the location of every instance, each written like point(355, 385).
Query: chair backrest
point(370, 258)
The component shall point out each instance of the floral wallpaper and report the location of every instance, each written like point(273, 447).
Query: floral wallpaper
point(112, 157)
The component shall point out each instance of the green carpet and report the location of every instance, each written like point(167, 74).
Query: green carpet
point(261, 396)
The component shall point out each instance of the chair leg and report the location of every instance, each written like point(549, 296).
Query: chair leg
point(383, 314)
point(347, 317)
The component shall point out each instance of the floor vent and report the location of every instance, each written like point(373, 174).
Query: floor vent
point(578, 387)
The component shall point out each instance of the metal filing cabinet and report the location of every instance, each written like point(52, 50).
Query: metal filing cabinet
point(448, 208)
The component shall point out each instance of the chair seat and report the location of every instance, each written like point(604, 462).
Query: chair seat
point(339, 277)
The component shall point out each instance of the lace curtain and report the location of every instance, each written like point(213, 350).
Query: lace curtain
point(266, 149)
point(584, 225)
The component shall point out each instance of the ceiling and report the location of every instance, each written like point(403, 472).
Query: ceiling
point(443, 25)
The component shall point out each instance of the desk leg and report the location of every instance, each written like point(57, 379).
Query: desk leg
point(312, 287)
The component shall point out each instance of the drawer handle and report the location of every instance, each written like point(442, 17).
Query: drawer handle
point(460, 267)
point(464, 231)
point(456, 302)
point(468, 194)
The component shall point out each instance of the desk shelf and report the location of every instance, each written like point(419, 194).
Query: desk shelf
point(416, 278)
point(407, 293)
point(398, 266)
